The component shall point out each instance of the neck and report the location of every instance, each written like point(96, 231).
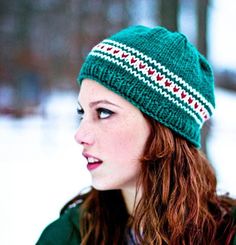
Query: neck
point(131, 198)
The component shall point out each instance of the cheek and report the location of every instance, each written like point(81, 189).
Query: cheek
point(126, 142)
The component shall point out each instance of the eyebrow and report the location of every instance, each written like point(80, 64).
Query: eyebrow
point(94, 103)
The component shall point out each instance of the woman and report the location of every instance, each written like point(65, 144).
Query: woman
point(144, 96)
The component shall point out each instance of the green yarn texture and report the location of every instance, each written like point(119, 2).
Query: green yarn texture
point(158, 71)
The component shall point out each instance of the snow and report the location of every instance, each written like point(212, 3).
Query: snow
point(40, 169)
point(222, 143)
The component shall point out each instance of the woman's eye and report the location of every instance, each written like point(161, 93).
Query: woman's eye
point(104, 113)
point(80, 113)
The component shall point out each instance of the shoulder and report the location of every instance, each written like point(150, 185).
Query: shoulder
point(63, 231)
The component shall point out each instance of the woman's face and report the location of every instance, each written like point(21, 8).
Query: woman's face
point(113, 134)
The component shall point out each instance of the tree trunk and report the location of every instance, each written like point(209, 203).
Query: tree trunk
point(202, 14)
point(168, 14)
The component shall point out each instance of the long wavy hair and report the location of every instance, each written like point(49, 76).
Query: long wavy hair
point(179, 204)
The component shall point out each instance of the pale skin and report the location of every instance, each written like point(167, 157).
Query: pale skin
point(115, 132)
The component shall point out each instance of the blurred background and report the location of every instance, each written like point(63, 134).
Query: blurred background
point(43, 44)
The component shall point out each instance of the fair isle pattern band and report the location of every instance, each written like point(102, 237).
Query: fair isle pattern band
point(157, 77)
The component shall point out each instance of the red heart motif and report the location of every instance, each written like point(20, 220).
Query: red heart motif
point(159, 77)
point(150, 71)
point(124, 55)
point(167, 83)
point(183, 95)
point(141, 66)
point(190, 100)
point(175, 89)
point(133, 60)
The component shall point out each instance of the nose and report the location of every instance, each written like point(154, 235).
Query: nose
point(84, 134)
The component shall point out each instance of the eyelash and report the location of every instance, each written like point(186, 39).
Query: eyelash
point(80, 113)
point(99, 111)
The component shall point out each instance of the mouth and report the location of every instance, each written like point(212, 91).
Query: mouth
point(93, 162)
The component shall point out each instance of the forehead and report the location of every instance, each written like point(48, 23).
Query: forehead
point(91, 90)
point(91, 86)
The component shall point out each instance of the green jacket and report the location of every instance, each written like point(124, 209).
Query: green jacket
point(65, 230)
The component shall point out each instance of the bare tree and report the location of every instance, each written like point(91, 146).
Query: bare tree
point(202, 15)
point(98, 19)
point(168, 14)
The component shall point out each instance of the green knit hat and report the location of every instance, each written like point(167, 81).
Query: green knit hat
point(160, 73)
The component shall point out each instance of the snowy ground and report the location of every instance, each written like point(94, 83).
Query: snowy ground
point(41, 167)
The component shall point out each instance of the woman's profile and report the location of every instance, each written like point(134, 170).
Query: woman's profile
point(145, 94)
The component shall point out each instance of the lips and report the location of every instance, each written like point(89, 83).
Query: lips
point(93, 162)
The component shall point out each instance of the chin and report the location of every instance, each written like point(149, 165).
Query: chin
point(104, 186)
